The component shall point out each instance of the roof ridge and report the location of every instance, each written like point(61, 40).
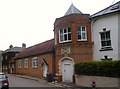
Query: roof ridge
point(105, 10)
point(37, 49)
point(40, 43)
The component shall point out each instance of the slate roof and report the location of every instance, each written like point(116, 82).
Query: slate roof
point(113, 8)
point(72, 10)
point(14, 49)
point(45, 47)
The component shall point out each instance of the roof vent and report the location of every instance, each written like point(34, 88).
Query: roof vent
point(115, 7)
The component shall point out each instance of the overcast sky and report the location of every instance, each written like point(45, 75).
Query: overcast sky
point(32, 21)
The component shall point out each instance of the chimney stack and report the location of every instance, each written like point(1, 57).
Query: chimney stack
point(11, 46)
point(24, 45)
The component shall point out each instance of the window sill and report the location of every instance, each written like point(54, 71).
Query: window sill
point(82, 40)
point(26, 67)
point(66, 41)
point(106, 49)
point(34, 67)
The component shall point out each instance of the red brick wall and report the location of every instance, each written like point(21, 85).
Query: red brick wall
point(36, 72)
point(79, 50)
point(73, 21)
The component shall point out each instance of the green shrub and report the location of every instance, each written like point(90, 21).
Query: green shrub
point(98, 68)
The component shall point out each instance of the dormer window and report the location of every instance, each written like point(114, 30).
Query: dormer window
point(65, 35)
point(81, 33)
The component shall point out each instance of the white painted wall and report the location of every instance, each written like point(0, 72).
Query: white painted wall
point(119, 36)
point(110, 22)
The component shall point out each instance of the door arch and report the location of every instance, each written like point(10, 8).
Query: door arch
point(67, 69)
point(45, 70)
point(44, 67)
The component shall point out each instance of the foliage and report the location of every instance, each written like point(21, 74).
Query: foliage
point(98, 68)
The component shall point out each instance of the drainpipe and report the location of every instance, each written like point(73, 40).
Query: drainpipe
point(54, 62)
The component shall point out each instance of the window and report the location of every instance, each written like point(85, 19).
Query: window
point(65, 35)
point(35, 62)
point(105, 40)
point(19, 64)
point(81, 33)
point(26, 63)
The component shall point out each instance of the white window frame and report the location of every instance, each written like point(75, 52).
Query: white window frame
point(63, 35)
point(19, 63)
point(81, 33)
point(106, 39)
point(34, 62)
point(26, 63)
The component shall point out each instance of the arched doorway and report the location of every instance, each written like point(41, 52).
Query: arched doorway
point(44, 67)
point(45, 70)
point(67, 70)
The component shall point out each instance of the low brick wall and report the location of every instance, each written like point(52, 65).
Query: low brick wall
point(100, 81)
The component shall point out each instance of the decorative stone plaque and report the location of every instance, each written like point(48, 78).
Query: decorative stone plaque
point(65, 51)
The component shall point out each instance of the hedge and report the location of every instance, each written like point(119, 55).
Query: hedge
point(98, 68)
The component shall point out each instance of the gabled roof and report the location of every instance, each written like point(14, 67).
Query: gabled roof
point(72, 10)
point(42, 48)
point(111, 9)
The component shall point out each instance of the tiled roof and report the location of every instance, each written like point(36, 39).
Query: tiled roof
point(45, 47)
point(72, 10)
point(113, 8)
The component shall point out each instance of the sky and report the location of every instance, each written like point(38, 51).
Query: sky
point(32, 21)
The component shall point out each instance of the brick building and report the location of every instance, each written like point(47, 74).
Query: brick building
point(36, 60)
point(8, 62)
point(72, 44)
